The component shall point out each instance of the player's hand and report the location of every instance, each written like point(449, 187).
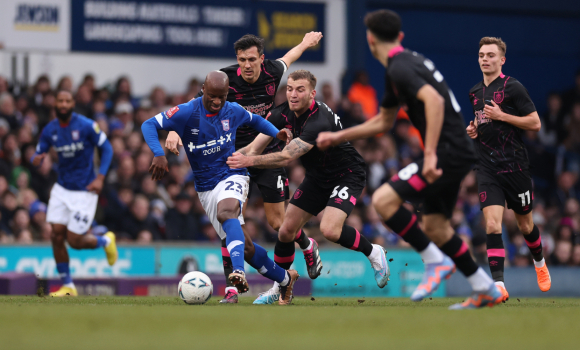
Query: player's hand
point(158, 168)
point(472, 130)
point(96, 186)
point(172, 142)
point(285, 135)
point(38, 159)
point(327, 139)
point(238, 160)
point(430, 171)
point(493, 112)
point(311, 39)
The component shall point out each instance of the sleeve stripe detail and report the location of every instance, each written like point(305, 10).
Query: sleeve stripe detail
point(284, 64)
point(102, 139)
point(250, 115)
point(159, 119)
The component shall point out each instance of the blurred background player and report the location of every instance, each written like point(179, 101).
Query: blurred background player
point(434, 181)
point(254, 82)
point(73, 199)
point(503, 111)
point(334, 179)
point(208, 127)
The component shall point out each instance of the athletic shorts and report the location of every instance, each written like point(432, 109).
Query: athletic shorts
point(73, 209)
point(313, 196)
point(436, 198)
point(272, 183)
point(515, 189)
point(235, 186)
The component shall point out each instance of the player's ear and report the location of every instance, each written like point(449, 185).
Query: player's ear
point(502, 60)
point(401, 36)
point(203, 88)
point(313, 93)
point(262, 58)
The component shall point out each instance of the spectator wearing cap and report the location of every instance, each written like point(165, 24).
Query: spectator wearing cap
point(180, 223)
point(37, 214)
point(124, 114)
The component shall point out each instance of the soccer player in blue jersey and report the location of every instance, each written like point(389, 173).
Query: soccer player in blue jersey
point(73, 199)
point(207, 126)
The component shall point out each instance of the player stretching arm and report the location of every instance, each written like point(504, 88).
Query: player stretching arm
point(334, 179)
point(222, 191)
point(502, 106)
point(434, 182)
point(73, 199)
point(254, 81)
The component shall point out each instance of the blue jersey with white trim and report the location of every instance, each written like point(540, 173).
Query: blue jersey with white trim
point(75, 144)
point(208, 139)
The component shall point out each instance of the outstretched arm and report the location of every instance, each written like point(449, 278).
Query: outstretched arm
point(293, 151)
point(310, 39)
point(257, 146)
point(381, 122)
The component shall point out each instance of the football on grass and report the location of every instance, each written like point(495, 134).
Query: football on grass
point(195, 288)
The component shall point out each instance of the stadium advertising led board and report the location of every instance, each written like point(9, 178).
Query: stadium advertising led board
point(193, 28)
point(35, 25)
point(134, 261)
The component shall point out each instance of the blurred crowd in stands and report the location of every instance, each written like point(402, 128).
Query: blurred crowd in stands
point(142, 211)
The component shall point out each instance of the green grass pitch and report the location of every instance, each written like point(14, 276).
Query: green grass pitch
point(31, 322)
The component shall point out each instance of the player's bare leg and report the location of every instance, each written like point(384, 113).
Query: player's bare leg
point(388, 204)
point(334, 229)
point(534, 242)
point(228, 211)
point(495, 250)
point(58, 239)
point(294, 219)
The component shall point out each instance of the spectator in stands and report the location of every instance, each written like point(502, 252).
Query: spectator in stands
point(362, 92)
point(8, 111)
point(572, 95)
point(180, 222)
point(65, 83)
point(138, 220)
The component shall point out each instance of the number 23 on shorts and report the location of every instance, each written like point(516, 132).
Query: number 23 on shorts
point(234, 186)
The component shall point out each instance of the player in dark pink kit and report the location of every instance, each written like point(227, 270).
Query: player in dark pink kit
point(503, 109)
point(433, 182)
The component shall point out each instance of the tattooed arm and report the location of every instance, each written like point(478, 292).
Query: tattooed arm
point(294, 150)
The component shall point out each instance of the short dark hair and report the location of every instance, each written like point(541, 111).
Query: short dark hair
point(248, 41)
point(384, 24)
point(303, 74)
point(490, 40)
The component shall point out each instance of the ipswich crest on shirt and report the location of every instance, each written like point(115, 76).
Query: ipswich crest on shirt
point(226, 124)
point(271, 89)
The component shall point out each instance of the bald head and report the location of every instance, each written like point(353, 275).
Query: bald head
point(217, 79)
point(215, 91)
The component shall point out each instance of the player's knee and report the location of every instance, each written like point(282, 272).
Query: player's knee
point(275, 223)
point(384, 205)
point(526, 227)
point(285, 235)
point(74, 241)
point(330, 231)
point(492, 226)
point(57, 237)
point(226, 214)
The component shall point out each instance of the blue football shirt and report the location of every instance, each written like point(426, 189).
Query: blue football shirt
point(75, 144)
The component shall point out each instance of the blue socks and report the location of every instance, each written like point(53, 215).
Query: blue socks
point(266, 266)
point(64, 273)
point(235, 242)
point(101, 241)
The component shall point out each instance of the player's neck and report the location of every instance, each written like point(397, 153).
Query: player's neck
point(384, 51)
point(300, 112)
point(489, 78)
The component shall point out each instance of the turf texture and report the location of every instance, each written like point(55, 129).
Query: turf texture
point(31, 322)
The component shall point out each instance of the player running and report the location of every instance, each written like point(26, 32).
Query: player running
point(503, 109)
point(208, 127)
point(414, 80)
point(334, 178)
point(253, 84)
point(73, 199)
